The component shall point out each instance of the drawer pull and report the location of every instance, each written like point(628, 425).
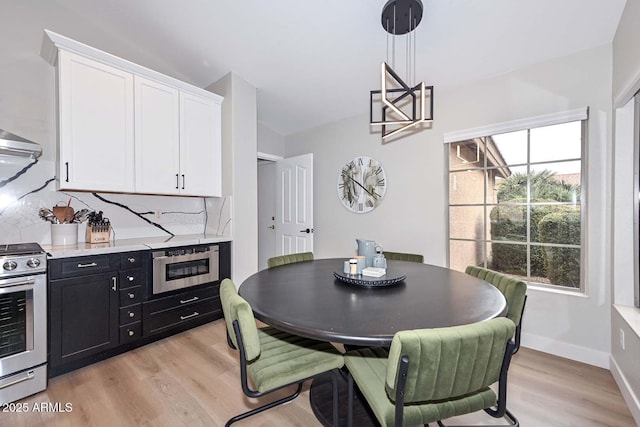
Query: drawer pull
point(130, 278)
point(131, 333)
point(195, 313)
point(131, 296)
point(115, 284)
point(131, 314)
point(131, 260)
point(91, 264)
point(184, 301)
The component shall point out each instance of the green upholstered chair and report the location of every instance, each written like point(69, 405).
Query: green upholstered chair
point(271, 358)
point(289, 259)
point(432, 374)
point(514, 291)
point(402, 256)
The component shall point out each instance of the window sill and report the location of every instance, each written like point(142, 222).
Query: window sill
point(631, 315)
point(549, 289)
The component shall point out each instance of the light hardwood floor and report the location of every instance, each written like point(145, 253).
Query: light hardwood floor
point(192, 379)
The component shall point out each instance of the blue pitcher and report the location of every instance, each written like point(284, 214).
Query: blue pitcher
point(367, 248)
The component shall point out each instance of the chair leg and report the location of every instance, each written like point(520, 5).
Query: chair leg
point(349, 400)
point(265, 407)
point(334, 382)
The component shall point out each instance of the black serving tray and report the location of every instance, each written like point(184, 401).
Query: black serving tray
point(391, 278)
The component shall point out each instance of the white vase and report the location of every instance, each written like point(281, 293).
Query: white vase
point(64, 234)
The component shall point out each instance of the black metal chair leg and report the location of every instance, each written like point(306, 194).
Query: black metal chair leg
point(349, 401)
point(334, 381)
point(229, 342)
point(265, 407)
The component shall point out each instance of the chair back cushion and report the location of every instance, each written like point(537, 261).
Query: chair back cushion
point(448, 362)
point(514, 290)
point(402, 256)
point(289, 259)
point(234, 307)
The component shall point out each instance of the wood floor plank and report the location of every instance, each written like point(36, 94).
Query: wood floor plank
point(192, 379)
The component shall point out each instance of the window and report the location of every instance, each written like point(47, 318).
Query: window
point(515, 202)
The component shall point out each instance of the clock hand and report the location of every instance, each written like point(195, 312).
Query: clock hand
point(374, 194)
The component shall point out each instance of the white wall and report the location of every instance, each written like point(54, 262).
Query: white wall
point(239, 145)
point(412, 217)
point(626, 81)
point(270, 141)
point(626, 54)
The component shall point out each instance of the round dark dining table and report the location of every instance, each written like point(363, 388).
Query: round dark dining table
point(306, 299)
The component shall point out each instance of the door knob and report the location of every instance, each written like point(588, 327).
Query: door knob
point(273, 227)
point(307, 230)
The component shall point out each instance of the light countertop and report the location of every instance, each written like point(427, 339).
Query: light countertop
point(128, 245)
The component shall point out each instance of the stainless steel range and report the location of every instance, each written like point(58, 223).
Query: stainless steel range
point(23, 321)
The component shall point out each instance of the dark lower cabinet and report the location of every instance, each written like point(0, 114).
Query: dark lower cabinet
point(84, 317)
point(102, 305)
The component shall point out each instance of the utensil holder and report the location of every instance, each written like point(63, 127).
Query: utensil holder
point(64, 234)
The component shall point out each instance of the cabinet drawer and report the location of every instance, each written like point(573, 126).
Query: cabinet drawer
point(130, 314)
point(183, 298)
point(131, 278)
point(156, 322)
point(82, 266)
point(130, 296)
point(130, 332)
point(133, 259)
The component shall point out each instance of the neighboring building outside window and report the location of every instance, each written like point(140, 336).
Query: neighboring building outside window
point(515, 203)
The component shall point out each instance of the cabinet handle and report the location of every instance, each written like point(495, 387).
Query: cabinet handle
point(195, 313)
point(130, 278)
point(131, 260)
point(131, 333)
point(184, 301)
point(115, 284)
point(66, 165)
point(177, 181)
point(131, 314)
point(91, 264)
point(131, 296)
point(183, 181)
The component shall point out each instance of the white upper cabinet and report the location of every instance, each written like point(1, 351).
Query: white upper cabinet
point(200, 146)
point(157, 110)
point(95, 107)
point(126, 128)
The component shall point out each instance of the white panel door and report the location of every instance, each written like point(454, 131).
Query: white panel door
point(96, 125)
point(200, 146)
point(294, 205)
point(157, 136)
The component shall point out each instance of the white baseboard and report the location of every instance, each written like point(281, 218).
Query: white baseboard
point(627, 393)
point(569, 351)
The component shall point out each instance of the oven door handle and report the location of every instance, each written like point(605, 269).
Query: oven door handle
point(17, 284)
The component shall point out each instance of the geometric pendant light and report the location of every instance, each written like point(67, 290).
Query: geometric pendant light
point(401, 107)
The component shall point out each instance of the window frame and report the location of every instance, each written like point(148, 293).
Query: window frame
point(580, 115)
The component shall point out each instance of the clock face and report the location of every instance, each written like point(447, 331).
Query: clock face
point(361, 184)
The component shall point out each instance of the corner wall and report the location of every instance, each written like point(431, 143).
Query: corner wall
point(239, 170)
point(626, 81)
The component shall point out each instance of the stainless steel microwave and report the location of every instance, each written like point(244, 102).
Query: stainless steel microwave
point(178, 268)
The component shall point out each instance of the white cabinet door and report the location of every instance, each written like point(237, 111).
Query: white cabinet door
point(200, 146)
point(96, 125)
point(157, 137)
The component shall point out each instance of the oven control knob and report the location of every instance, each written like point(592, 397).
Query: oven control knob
point(33, 263)
point(10, 265)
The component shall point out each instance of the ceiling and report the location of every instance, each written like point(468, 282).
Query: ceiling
point(312, 62)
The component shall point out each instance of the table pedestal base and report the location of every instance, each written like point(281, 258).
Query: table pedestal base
point(320, 397)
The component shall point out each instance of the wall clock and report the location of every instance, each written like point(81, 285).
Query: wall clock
point(361, 184)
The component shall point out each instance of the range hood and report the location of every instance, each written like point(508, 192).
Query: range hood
point(13, 145)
